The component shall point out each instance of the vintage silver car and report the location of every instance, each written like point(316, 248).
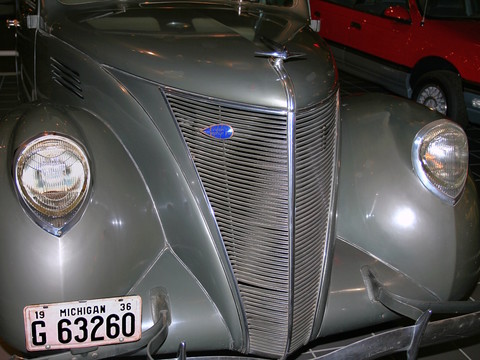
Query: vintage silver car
point(183, 176)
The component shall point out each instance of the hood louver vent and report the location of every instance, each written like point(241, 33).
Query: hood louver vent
point(66, 77)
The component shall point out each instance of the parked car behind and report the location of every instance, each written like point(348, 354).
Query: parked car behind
point(425, 50)
point(182, 176)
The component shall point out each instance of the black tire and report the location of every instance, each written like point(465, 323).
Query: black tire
point(442, 91)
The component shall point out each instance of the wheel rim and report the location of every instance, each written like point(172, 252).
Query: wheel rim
point(434, 98)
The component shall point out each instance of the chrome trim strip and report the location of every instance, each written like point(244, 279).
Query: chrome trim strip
point(277, 64)
point(330, 238)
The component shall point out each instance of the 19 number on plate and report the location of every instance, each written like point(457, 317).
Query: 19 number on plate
point(83, 323)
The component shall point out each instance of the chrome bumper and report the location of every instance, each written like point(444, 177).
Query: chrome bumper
point(409, 339)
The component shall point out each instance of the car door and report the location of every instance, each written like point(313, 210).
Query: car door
point(377, 31)
point(334, 18)
point(364, 26)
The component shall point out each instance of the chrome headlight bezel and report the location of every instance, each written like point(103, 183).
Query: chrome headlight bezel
point(440, 159)
point(52, 177)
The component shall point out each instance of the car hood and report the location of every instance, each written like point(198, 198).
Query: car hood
point(209, 49)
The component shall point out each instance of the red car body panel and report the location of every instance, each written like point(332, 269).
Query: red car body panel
point(405, 44)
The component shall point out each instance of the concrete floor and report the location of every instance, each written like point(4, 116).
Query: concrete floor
point(463, 350)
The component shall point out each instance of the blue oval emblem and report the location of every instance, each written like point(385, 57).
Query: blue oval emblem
point(219, 131)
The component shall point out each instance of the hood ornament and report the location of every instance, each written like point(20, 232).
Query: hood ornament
point(277, 51)
point(219, 131)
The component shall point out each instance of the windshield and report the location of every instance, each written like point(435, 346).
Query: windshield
point(450, 9)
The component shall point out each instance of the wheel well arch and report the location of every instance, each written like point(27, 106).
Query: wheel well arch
point(431, 63)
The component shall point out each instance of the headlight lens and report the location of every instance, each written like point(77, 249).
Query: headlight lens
point(52, 175)
point(440, 159)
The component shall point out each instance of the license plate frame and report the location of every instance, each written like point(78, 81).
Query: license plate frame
point(84, 323)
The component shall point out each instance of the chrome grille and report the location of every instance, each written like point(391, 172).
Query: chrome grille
point(315, 161)
point(246, 181)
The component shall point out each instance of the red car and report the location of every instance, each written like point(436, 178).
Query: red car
point(427, 50)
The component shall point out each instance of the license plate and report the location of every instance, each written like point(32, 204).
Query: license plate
point(80, 324)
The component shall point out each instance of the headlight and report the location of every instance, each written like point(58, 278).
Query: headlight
point(440, 159)
point(52, 177)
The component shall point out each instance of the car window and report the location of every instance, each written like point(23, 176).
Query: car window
point(450, 8)
point(348, 3)
point(375, 7)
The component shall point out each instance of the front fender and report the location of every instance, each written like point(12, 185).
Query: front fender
point(107, 249)
point(386, 212)
point(117, 247)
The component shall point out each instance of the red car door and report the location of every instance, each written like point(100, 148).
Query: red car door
point(372, 32)
point(334, 17)
point(365, 26)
